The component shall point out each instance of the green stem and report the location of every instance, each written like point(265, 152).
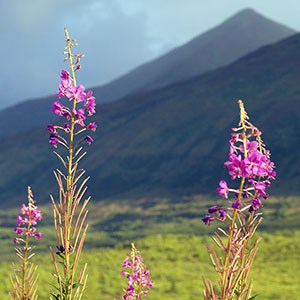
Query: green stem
point(68, 225)
point(24, 266)
point(235, 211)
point(25, 256)
point(231, 230)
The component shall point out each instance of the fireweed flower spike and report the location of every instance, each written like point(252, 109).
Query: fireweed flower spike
point(249, 164)
point(24, 277)
point(138, 277)
point(74, 106)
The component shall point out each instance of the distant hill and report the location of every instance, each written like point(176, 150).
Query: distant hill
point(237, 36)
point(173, 140)
point(241, 34)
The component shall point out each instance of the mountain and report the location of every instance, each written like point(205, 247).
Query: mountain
point(173, 140)
point(241, 34)
point(237, 36)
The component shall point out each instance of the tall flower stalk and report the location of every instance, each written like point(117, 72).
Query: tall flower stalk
point(138, 276)
point(70, 211)
point(24, 277)
point(235, 247)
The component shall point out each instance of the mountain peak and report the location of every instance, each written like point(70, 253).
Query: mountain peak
point(246, 12)
point(249, 17)
point(237, 36)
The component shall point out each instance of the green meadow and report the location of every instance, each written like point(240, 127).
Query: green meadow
point(172, 241)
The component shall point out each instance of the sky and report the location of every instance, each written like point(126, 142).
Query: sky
point(115, 36)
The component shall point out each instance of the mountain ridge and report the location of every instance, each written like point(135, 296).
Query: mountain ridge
point(174, 142)
point(203, 53)
point(246, 30)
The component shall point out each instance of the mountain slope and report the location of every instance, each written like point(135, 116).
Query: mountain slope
point(241, 34)
point(174, 140)
point(221, 45)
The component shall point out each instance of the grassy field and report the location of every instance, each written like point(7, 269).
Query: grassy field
point(177, 264)
point(172, 240)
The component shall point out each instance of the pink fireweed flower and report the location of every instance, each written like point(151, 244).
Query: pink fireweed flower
point(234, 244)
point(260, 188)
point(251, 146)
point(234, 166)
point(16, 240)
point(213, 209)
point(84, 105)
point(236, 205)
point(222, 214)
point(88, 139)
point(208, 220)
point(138, 277)
point(24, 276)
point(223, 189)
point(65, 84)
point(18, 230)
point(28, 218)
point(92, 126)
point(19, 220)
point(215, 212)
point(90, 103)
point(38, 235)
point(79, 116)
point(51, 127)
point(76, 92)
point(53, 139)
point(57, 108)
point(250, 162)
point(256, 203)
point(65, 78)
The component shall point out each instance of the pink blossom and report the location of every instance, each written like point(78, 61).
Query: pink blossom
point(65, 84)
point(16, 241)
point(223, 190)
point(256, 203)
point(88, 139)
point(57, 108)
point(138, 277)
point(53, 139)
point(18, 230)
point(29, 217)
point(38, 235)
point(234, 165)
point(19, 220)
point(92, 126)
point(76, 92)
point(208, 220)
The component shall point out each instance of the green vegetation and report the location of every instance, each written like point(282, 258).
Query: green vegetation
point(116, 221)
point(172, 240)
point(177, 263)
point(125, 220)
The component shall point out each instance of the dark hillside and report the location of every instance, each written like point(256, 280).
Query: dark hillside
point(237, 36)
point(174, 140)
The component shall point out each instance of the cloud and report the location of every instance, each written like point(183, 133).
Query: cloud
point(115, 35)
point(32, 41)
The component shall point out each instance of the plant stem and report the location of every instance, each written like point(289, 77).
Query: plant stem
point(24, 265)
point(68, 225)
point(235, 211)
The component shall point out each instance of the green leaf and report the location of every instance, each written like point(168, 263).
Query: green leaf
point(76, 285)
point(253, 297)
point(56, 297)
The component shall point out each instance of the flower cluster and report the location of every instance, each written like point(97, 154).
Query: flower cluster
point(73, 116)
point(27, 221)
point(250, 162)
point(138, 277)
point(70, 210)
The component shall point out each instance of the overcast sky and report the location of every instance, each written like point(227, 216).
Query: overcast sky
point(115, 36)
